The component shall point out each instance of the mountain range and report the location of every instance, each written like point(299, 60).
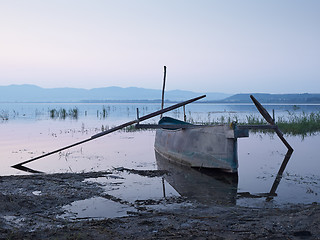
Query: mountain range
point(32, 93)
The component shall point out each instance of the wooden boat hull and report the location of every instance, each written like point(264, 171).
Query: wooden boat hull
point(206, 146)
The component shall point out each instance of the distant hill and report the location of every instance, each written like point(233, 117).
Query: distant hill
point(274, 98)
point(32, 93)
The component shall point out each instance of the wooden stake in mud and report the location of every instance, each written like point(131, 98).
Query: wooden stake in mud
point(151, 115)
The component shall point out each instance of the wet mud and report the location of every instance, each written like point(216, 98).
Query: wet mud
point(33, 207)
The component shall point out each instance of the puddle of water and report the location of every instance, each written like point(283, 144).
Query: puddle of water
point(130, 187)
point(126, 193)
point(97, 208)
point(136, 187)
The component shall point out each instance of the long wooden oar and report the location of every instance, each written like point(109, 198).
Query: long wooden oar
point(151, 115)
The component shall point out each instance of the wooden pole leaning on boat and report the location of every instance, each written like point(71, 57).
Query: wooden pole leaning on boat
point(151, 115)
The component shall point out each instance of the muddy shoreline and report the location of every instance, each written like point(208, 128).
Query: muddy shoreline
point(31, 207)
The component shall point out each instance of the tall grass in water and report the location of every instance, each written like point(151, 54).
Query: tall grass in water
point(4, 116)
point(62, 113)
point(294, 124)
point(104, 113)
point(74, 113)
point(254, 120)
point(301, 124)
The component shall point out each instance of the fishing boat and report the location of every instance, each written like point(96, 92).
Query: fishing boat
point(202, 146)
point(208, 146)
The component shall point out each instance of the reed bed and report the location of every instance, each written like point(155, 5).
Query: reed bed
point(62, 113)
point(294, 124)
point(301, 124)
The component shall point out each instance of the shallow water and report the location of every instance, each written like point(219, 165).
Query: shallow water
point(260, 157)
point(96, 208)
point(116, 113)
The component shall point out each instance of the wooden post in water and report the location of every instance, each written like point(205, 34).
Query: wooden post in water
point(273, 116)
point(163, 87)
point(138, 115)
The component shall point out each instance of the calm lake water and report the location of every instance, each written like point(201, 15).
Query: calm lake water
point(29, 131)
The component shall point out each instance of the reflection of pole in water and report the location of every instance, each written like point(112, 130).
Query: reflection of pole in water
point(163, 188)
point(278, 178)
point(270, 195)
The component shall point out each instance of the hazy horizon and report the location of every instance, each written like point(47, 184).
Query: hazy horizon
point(208, 46)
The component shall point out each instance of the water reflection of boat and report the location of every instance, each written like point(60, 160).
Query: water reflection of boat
point(206, 186)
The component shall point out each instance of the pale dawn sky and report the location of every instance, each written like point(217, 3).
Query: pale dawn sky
point(229, 46)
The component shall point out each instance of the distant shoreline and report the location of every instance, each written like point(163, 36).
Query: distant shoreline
point(158, 101)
